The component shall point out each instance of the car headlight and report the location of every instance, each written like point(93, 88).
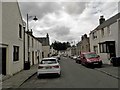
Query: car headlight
point(88, 60)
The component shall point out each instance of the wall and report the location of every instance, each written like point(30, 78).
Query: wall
point(46, 50)
point(11, 18)
point(112, 37)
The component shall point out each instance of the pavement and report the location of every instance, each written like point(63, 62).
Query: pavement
point(18, 79)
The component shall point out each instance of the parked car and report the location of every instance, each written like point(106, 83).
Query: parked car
point(49, 66)
point(57, 57)
point(75, 57)
point(115, 61)
point(90, 59)
point(78, 60)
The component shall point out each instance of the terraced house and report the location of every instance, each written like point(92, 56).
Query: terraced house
point(105, 39)
point(14, 41)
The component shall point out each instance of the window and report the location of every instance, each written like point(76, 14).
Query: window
point(20, 31)
point(108, 29)
point(15, 53)
point(94, 35)
point(103, 48)
point(32, 43)
point(102, 32)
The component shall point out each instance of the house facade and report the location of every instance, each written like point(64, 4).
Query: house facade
point(78, 48)
point(68, 51)
point(84, 44)
point(35, 48)
point(12, 39)
point(105, 39)
point(45, 45)
point(14, 43)
point(73, 50)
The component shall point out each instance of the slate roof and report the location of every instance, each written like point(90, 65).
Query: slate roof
point(107, 22)
point(43, 40)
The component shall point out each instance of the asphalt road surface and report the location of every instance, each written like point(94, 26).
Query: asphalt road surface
point(73, 75)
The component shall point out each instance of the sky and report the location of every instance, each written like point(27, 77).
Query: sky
point(65, 20)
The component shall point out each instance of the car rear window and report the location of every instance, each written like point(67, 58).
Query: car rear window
point(48, 61)
point(91, 55)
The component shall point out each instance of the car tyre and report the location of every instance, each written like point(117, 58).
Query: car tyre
point(38, 76)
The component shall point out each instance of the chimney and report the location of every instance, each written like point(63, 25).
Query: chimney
point(30, 32)
point(101, 20)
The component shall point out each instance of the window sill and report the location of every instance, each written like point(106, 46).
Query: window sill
point(20, 39)
point(14, 62)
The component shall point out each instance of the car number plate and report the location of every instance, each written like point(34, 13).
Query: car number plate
point(96, 63)
point(48, 67)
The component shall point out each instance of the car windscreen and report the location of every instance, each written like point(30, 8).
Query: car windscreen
point(91, 55)
point(48, 61)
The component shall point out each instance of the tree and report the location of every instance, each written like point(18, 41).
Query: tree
point(60, 46)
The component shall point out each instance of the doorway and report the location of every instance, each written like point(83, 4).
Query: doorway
point(3, 61)
point(32, 57)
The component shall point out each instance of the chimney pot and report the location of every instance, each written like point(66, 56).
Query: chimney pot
point(101, 20)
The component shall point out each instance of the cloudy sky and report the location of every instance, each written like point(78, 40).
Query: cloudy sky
point(64, 20)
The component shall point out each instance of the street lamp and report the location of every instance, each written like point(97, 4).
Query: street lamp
point(35, 19)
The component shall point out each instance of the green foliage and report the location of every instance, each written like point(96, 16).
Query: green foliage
point(60, 46)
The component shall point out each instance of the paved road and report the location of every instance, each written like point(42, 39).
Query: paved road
point(73, 76)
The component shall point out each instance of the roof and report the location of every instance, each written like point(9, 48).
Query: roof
point(107, 22)
point(43, 40)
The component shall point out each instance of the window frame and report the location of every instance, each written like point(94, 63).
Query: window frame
point(20, 31)
point(15, 53)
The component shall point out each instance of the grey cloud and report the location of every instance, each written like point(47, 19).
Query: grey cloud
point(61, 31)
point(39, 9)
point(74, 7)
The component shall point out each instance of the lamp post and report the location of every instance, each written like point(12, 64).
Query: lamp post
point(28, 42)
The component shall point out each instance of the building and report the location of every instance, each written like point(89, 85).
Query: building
point(53, 51)
point(12, 38)
point(78, 45)
point(73, 50)
point(84, 44)
point(35, 48)
point(14, 44)
point(105, 39)
point(45, 45)
point(68, 51)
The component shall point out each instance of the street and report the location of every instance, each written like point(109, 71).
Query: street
point(73, 75)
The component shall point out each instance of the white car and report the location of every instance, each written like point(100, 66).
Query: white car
point(74, 57)
point(49, 66)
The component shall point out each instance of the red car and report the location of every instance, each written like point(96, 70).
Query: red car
point(90, 59)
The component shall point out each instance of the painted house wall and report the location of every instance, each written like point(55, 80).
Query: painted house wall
point(118, 50)
point(113, 36)
point(0, 22)
point(11, 18)
point(34, 46)
point(46, 50)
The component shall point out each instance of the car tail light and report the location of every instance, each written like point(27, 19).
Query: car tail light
point(56, 66)
point(39, 67)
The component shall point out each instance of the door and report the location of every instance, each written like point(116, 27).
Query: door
point(112, 49)
point(3, 61)
point(33, 57)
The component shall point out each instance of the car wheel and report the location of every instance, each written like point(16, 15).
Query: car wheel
point(76, 61)
point(59, 74)
point(38, 76)
point(79, 62)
